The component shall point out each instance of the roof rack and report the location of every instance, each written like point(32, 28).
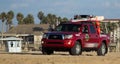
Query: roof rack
point(78, 18)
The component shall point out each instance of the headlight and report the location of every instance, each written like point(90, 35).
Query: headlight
point(45, 35)
point(68, 36)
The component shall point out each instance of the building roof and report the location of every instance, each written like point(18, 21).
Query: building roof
point(11, 38)
point(111, 20)
point(29, 29)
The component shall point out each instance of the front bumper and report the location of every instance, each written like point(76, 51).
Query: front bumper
point(58, 43)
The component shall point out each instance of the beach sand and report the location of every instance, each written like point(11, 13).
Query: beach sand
point(59, 58)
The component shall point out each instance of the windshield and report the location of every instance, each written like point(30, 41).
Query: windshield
point(68, 27)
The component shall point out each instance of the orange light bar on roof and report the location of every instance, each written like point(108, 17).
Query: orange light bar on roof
point(99, 18)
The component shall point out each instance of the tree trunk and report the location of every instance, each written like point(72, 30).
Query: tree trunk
point(2, 35)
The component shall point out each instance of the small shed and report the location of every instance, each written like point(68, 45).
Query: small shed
point(13, 44)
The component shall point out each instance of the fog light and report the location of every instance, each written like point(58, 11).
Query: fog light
point(42, 42)
point(69, 43)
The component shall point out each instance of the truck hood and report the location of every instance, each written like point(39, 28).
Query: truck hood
point(58, 32)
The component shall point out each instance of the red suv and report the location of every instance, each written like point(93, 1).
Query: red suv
point(76, 36)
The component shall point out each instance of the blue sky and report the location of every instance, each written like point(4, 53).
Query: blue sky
point(63, 8)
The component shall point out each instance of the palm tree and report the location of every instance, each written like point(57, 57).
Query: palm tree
point(0, 32)
point(64, 19)
point(53, 19)
point(30, 19)
point(20, 18)
point(49, 18)
point(0, 16)
point(10, 16)
point(3, 18)
point(59, 19)
point(40, 15)
point(0, 19)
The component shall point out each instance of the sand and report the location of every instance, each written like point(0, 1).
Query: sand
point(59, 58)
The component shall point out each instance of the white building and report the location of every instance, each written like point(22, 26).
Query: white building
point(13, 44)
point(115, 34)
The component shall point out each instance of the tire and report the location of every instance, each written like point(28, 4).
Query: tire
point(47, 51)
point(76, 50)
point(102, 50)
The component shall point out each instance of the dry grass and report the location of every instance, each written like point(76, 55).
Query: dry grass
point(59, 58)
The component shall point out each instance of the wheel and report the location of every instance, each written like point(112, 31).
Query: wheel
point(102, 50)
point(77, 49)
point(47, 51)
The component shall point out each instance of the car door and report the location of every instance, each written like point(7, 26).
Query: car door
point(90, 36)
point(94, 37)
point(85, 34)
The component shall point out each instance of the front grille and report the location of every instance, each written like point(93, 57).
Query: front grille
point(55, 43)
point(56, 37)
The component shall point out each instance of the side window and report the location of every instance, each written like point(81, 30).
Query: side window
point(75, 29)
point(85, 29)
point(92, 29)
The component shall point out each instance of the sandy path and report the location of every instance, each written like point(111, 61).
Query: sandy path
point(59, 58)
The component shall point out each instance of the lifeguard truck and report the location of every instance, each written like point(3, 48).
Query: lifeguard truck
point(75, 36)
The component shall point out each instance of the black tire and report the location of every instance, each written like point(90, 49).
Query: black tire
point(47, 51)
point(102, 50)
point(76, 50)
